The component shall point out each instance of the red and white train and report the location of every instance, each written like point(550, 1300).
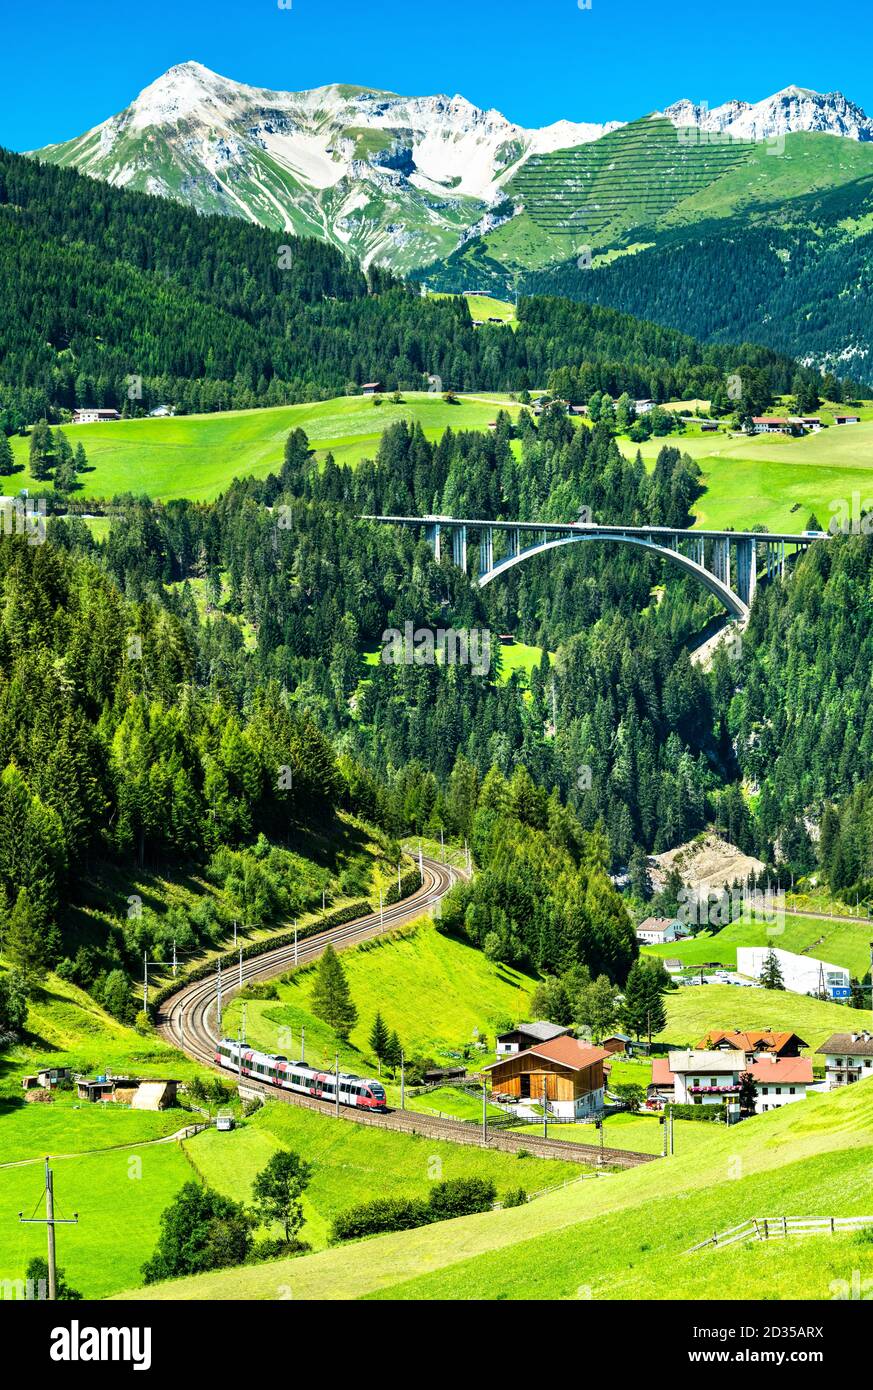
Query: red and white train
point(359, 1091)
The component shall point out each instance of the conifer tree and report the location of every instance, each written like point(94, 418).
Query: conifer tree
point(331, 998)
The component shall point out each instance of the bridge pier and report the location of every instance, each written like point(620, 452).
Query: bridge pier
point(432, 536)
point(486, 551)
point(459, 547)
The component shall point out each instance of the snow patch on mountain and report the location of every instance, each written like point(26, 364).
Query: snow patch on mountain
point(790, 111)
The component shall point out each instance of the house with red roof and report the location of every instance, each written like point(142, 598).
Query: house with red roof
point(567, 1073)
point(698, 1077)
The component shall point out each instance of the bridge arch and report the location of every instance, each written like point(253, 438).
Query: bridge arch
point(723, 592)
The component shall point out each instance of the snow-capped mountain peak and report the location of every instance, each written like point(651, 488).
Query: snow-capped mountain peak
point(788, 112)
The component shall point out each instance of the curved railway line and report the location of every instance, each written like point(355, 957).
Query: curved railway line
point(188, 1020)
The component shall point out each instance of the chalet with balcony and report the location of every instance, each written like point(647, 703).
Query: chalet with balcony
point(848, 1058)
point(754, 1043)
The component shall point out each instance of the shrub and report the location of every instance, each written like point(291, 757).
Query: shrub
point(515, 1197)
point(461, 1197)
point(383, 1214)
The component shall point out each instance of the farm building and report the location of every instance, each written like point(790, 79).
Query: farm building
point(139, 1094)
point(370, 388)
point(571, 1073)
point(848, 1057)
point(516, 1039)
point(708, 1078)
point(47, 1078)
point(90, 416)
point(800, 974)
point(847, 419)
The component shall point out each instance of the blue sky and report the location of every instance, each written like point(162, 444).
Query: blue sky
point(67, 65)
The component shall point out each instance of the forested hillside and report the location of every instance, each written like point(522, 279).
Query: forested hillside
point(100, 285)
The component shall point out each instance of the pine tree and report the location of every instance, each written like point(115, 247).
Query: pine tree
point(394, 1052)
point(771, 972)
point(642, 1010)
point(7, 462)
point(331, 998)
point(379, 1040)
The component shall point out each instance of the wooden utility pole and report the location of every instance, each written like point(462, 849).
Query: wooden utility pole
point(50, 1221)
point(545, 1109)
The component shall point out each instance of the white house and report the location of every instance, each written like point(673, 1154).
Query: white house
point(848, 1057)
point(654, 931)
point(800, 974)
point(91, 416)
point(780, 1080)
point(708, 1078)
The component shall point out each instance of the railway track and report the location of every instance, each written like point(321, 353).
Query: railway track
point(188, 1021)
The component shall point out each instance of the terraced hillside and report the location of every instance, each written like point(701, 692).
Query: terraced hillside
point(632, 177)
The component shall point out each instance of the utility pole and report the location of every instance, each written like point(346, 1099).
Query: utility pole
point(381, 912)
point(545, 1110)
point(50, 1221)
point(420, 862)
point(399, 883)
point(174, 960)
point(336, 1086)
point(145, 982)
point(295, 940)
point(218, 995)
point(323, 893)
point(484, 1115)
point(240, 967)
point(402, 1083)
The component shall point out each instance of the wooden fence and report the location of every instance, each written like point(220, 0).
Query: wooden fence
point(777, 1227)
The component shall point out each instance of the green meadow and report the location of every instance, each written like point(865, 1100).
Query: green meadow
point(839, 943)
point(693, 1010)
point(435, 990)
point(625, 1235)
point(769, 480)
point(352, 1163)
point(118, 1195)
point(197, 456)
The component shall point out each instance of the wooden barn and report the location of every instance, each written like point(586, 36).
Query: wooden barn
point(571, 1071)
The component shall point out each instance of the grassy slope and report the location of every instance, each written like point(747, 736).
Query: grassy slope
point(839, 943)
point(432, 988)
point(354, 1164)
point(118, 1195)
point(65, 1027)
point(198, 455)
point(623, 1236)
point(765, 478)
point(65, 1126)
point(771, 479)
point(692, 1011)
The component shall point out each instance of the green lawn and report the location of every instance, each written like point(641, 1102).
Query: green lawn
point(119, 1197)
point(838, 943)
point(197, 456)
point(640, 1133)
point(69, 1126)
point(433, 989)
point(625, 1235)
point(451, 1100)
point(775, 480)
point(353, 1163)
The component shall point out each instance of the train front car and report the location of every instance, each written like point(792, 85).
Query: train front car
point(372, 1095)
